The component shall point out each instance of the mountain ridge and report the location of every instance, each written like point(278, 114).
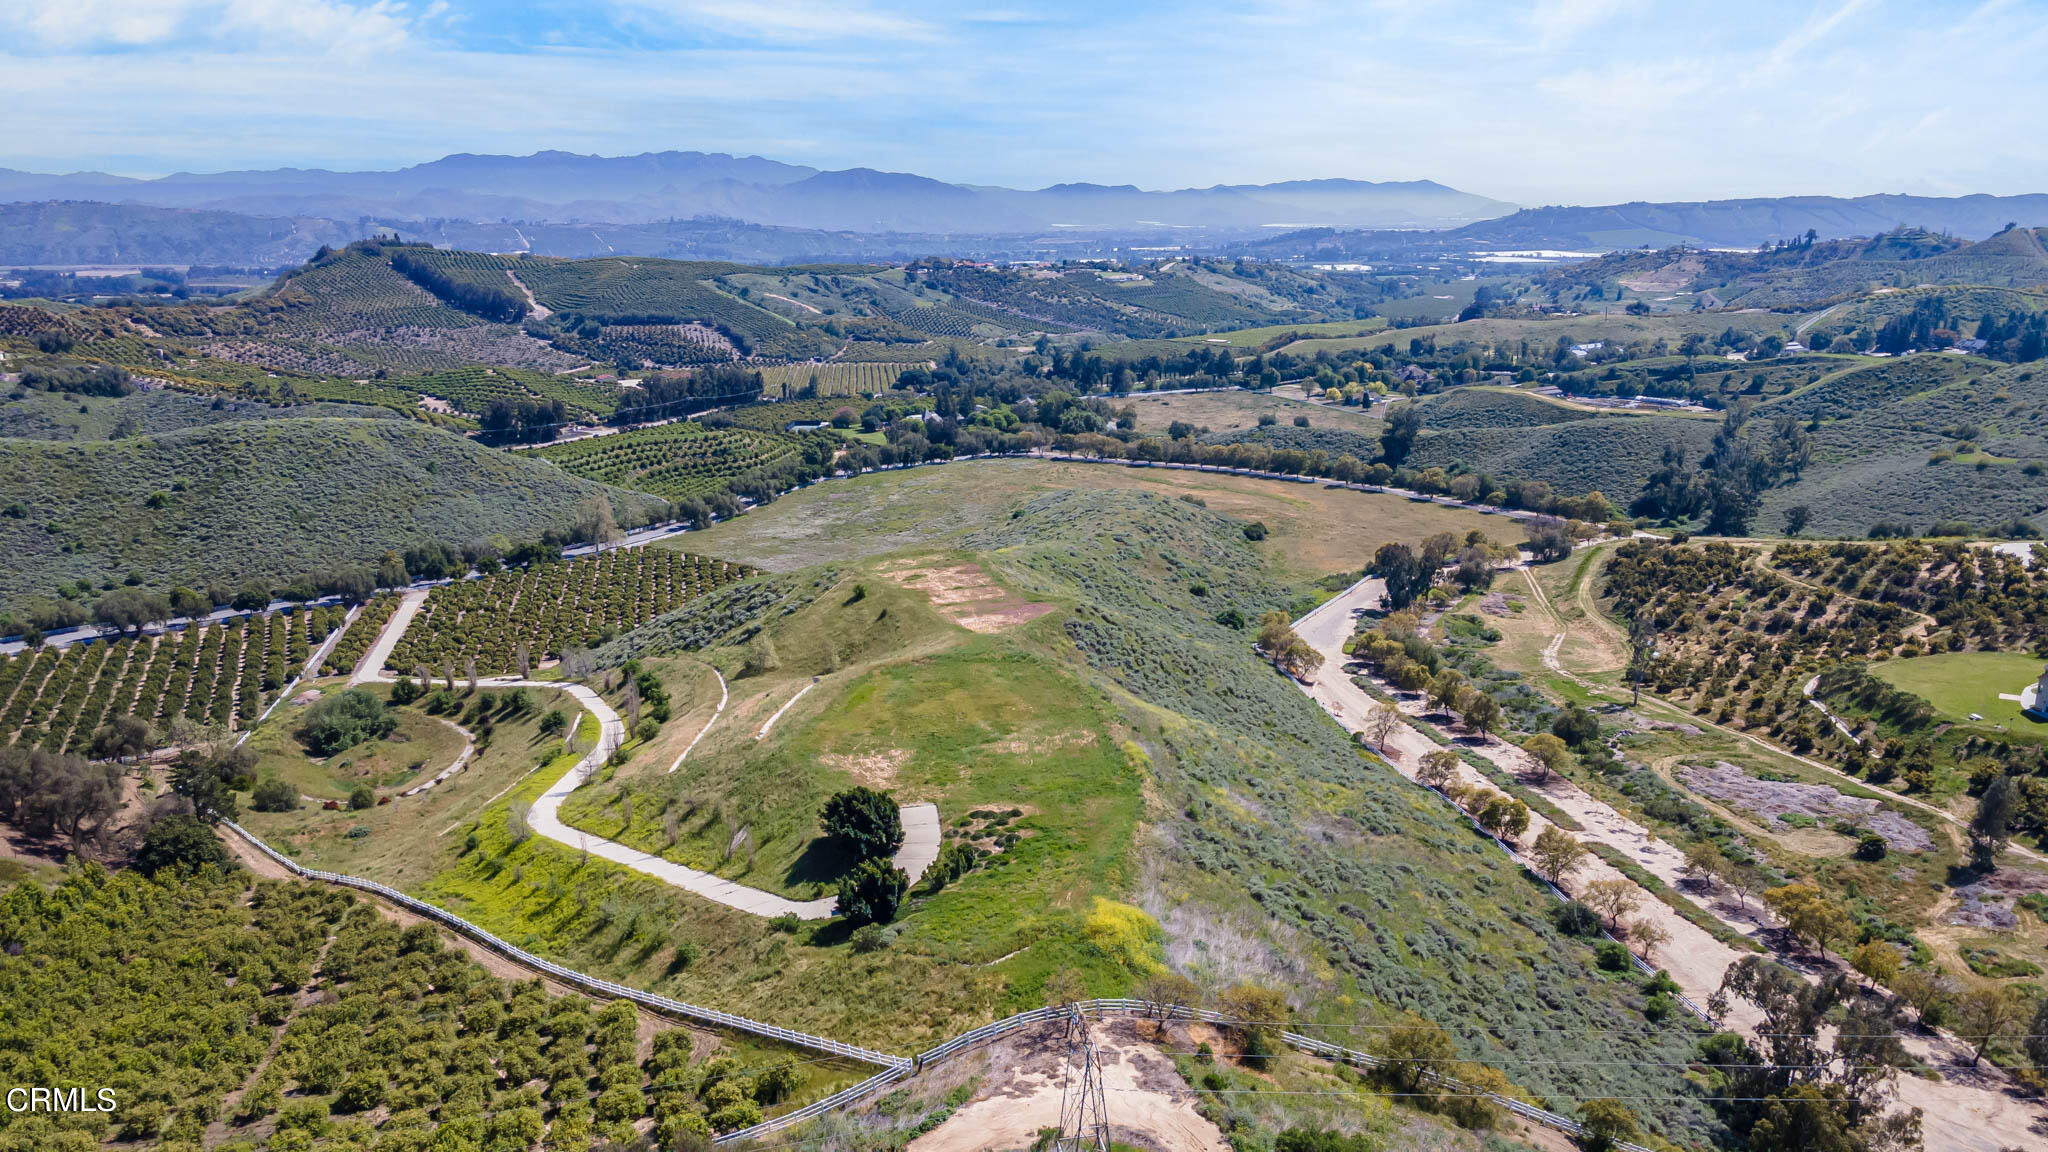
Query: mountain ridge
point(552, 185)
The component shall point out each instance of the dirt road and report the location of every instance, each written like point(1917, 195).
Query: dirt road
point(1970, 1110)
point(1147, 1102)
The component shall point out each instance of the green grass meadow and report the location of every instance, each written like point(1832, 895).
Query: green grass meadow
point(1959, 683)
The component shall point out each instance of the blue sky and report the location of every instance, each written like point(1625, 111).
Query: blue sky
point(1554, 101)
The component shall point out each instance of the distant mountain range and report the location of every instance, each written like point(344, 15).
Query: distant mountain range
point(714, 206)
point(563, 187)
point(1707, 224)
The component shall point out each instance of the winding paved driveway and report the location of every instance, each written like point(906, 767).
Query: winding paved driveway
point(921, 837)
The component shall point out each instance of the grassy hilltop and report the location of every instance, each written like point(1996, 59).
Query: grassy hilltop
point(1149, 787)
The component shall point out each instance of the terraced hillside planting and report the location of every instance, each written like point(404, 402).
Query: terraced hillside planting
point(473, 390)
point(222, 674)
point(268, 500)
point(546, 609)
point(786, 381)
point(674, 461)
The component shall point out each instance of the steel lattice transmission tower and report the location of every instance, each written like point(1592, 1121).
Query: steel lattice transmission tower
point(1084, 1120)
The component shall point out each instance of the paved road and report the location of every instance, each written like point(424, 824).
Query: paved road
point(371, 666)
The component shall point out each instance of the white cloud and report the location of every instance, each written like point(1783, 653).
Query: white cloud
point(1814, 31)
point(800, 21)
point(247, 25)
point(1643, 102)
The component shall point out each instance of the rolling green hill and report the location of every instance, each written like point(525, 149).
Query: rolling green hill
point(267, 500)
point(1812, 276)
point(1612, 455)
point(1918, 440)
point(1464, 408)
point(1272, 849)
point(52, 416)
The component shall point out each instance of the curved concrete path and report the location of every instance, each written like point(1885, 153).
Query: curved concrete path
point(921, 838)
point(723, 695)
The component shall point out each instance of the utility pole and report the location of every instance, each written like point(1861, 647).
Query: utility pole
point(1084, 1120)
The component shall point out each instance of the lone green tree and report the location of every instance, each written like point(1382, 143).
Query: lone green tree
point(1991, 826)
point(131, 609)
point(872, 892)
point(345, 720)
point(1607, 1122)
point(867, 821)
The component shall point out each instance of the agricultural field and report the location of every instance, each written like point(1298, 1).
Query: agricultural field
point(785, 381)
point(1744, 630)
point(1541, 335)
point(221, 674)
point(543, 610)
point(673, 461)
point(369, 1061)
point(354, 644)
point(472, 390)
point(882, 630)
point(1091, 671)
point(1235, 410)
point(1272, 336)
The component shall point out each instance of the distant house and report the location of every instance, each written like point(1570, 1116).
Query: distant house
point(1410, 374)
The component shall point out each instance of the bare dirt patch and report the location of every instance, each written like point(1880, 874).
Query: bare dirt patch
point(1077, 738)
point(874, 769)
point(1726, 782)
point(965, 595)
point(1003, 619)
point(1988, 902)
point(1149, 1104)
point(1669, 278)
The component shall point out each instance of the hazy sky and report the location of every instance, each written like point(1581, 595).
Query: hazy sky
point(1580, 101)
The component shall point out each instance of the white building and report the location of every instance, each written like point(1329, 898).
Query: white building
point(2034, 701)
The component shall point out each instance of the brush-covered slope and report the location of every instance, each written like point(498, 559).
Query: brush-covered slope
point(54, 416)
point(1281, 853)
point(1612, 455)
point(1492, 408)
point(1137, 754)
point(266, 500)
point(1918, 441)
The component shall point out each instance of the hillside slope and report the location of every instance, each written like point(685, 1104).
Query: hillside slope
point(1612, 455)
point(266, 500)
point(1280, 852)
